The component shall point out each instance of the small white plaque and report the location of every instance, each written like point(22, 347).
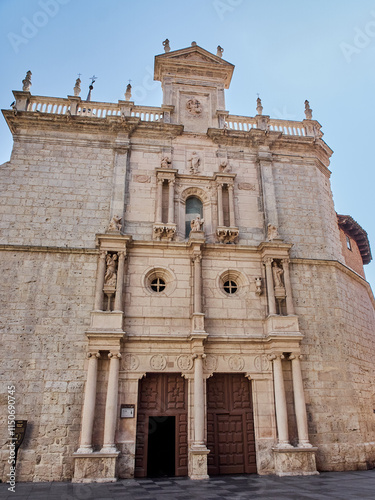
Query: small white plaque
point(127, 412)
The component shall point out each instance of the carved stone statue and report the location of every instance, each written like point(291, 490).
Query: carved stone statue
point(195, 162)
point(308, 110)
point(166, 45)
point(165, 162)
point(277, 273)
point(194, 106)
point(27, 82)
point(224, 166)
point(115, 224)
point(220, 51)
point(110, 274)
point(77, 87)
point(272, 232)
point(197, 224)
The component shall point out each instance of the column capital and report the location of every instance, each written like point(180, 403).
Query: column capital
point(102, 254)
point(172, 181)
point(122, 254)
point(114, 355)
point(267, 261)
point(295, 356)
point(93, 355)
point(285, 260)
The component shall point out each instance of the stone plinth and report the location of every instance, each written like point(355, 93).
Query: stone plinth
point(295, 461)
point(278, 325)
point(95, 467)
point(106, 321)
point(198, 462)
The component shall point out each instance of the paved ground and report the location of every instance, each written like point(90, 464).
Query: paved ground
point(356, 485)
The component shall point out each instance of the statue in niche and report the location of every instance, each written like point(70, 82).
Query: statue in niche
point(272, 232)
point(277, 273)
point(194, 106)
point(115, 224)
point(165, 162)
point(110, 274)
point(197, 224)
point(195, 163)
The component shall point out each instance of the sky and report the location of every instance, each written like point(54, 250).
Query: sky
point(287, 51)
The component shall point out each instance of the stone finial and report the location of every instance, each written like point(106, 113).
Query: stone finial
point(197, 224)
point(165, 162)
point(27, 82)
point(308, 110)
point(128, 92)
point(77, 87)
point(115, 224)
point(272, 232)
point(166, 45)
point(259, 106)
point(193, 44)
point(220, 51)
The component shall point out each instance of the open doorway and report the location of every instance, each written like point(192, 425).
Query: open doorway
point(161, 446)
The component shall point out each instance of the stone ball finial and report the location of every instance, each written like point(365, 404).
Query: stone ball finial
point(27, 82)
point(220, 51)
point(166, 45)
point(308, 110)
point(193, 44)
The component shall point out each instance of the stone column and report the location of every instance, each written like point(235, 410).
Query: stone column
point(159, 200)
point(232, 222)
point(171, 183)
point(288, 287)
point(197, 284)
point(120, 282)
point(220, 205)
point(299, 403)
point(100, 282)
point(198, 402)
point(89, 404)
point(270, 286)
point(110, 418)
point(280, 402)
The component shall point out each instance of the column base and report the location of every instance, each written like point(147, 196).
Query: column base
point(198, 462)
point(95, 467)
point(295, 461)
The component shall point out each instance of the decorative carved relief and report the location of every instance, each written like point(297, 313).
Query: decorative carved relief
point(194, 107)
point(164, 231)
point(184, 362)
point(272, 232)
point(277, 273)
point(195, 162)
point(131, 362)
point(246, 186)
point(236, 363)
point(210, 363)
point(158, 362)
point(262, 363)
point(115, 223)
point(227, 235)
point(165, 162)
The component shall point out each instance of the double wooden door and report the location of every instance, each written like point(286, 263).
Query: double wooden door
point(230, 425)
point(162, 444)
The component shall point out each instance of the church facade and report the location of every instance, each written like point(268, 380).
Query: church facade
point(180, 296)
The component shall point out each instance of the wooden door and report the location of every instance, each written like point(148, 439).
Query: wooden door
point(230, 425)
point(162, 396)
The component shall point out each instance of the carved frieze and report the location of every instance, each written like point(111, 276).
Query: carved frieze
point(131, 362)
point(210, 362)
point(185, 362)
point(236, 363)
point(261, 363)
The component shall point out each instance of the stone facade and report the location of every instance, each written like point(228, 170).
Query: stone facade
point(174, 245)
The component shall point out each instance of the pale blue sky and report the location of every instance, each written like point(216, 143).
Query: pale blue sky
point(288, 51)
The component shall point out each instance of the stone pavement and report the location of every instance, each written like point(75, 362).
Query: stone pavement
point(353, 485)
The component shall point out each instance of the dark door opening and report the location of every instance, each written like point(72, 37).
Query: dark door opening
point(161, 446)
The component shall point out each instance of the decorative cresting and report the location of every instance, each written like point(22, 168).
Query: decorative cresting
point(165, 229)
point(226, 231)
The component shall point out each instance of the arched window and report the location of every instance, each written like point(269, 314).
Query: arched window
point(194, 207)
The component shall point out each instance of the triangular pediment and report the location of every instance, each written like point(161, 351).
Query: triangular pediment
point(190, 59)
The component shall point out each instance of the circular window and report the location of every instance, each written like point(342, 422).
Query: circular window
point(230, 286)
point(157, 285)
point(232, 283)
point(159, 280)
